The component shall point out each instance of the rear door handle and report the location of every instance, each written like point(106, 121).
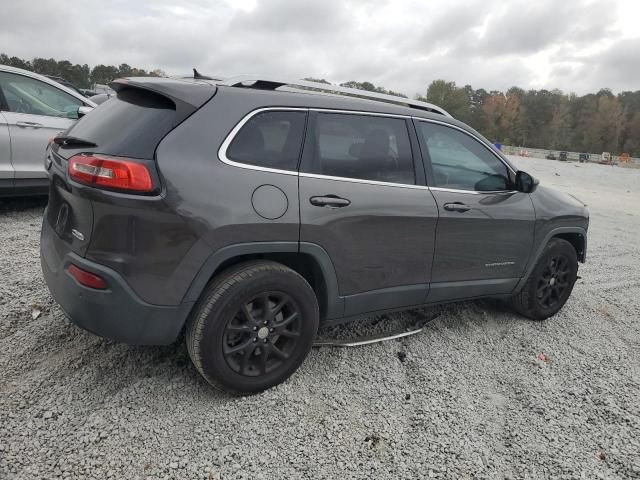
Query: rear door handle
point(29, 124)
point(331, 201)
point(457, 207)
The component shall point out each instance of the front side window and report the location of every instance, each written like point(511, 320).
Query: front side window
point(364, 147)
point(460, 162)
point(27, 95)
point(271, 139)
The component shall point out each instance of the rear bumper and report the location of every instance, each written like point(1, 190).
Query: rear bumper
point(117, 312)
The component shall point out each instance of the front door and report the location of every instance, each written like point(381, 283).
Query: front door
point(361, 201)
point(485, 230)
point(36, 111)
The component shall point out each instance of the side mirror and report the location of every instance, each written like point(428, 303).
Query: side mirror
point(83, 110)
point(525, 182)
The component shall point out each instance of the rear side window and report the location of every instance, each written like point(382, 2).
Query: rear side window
point(271, 139)
point(131, 124)
point(461, 162)
point(365, 147)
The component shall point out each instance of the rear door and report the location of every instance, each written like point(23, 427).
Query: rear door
point(485, 229)
point(36, 111)
point(364, 202)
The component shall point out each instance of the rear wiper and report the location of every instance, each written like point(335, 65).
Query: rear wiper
point(68, 141)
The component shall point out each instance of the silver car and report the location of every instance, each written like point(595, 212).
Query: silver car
point(33, 109)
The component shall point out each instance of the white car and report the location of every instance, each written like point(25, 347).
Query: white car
point(33, 109)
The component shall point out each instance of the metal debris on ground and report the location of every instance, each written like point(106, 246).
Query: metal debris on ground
point(407, 330)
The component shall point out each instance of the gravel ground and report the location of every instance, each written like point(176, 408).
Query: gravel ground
point(466, 398)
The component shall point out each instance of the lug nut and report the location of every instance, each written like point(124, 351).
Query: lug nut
point(272, 330)
point(255, 328)
point(264, 341)
point(255, 339)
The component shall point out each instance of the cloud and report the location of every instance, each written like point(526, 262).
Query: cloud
point(577, 45)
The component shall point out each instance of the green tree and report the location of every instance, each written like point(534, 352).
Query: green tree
point(104, 74)
point(454, 100)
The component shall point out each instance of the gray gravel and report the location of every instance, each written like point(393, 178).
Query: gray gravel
point(467, 398)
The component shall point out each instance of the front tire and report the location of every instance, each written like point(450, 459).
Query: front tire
point(253, 327)
point(550, 283)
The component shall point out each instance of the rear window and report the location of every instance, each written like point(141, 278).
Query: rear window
point(270, 139)
point(131, 124)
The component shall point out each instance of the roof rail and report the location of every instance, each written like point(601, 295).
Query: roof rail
point(270, 83)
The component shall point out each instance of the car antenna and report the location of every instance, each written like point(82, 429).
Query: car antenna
point(198, 76)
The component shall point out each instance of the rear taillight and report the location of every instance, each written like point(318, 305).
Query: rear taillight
point(87, 279)
point(111, 172)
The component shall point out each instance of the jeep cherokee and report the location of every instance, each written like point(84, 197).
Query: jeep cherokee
point(249, 211)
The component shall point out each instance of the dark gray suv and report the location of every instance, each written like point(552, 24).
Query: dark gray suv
point(249, 211)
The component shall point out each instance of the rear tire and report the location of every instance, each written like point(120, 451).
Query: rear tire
point(550, 283)
point(253, 327)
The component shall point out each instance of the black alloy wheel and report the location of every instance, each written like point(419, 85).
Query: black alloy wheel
point(262, 335)
point(553, 281)
point(253, 327)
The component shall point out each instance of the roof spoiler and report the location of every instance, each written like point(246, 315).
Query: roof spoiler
point(187, 96)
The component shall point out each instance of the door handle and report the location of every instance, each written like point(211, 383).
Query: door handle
point(331, 201)
point(29, 124)
point(457, 207)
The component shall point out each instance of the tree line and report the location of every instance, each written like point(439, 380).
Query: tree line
point(594, 122)
point(81, 76)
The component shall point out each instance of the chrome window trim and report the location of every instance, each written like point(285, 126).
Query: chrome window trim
point(360, 180)
point(222, 151)
point(474, 192)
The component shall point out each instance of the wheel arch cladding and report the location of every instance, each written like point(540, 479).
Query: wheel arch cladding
point(578, 241)
point(310, 261)
point(576, 236)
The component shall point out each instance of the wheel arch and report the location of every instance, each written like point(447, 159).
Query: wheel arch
point(309, 260)
point(579, 242)
point(576, 236)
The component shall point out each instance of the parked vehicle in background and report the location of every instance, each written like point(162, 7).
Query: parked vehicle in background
point(100, 98)
point(66, 83)
point(605, 158)
point(562, 156)
point(99, 88)
point(249, 214)
point(33, 108)
point(583, 157)
point(550, 156)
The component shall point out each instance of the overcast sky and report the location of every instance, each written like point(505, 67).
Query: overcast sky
point(573, 45)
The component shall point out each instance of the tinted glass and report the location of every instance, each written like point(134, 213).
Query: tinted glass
point(461, 162)
point(131, 124)
point(270, 139)
point(27, 95)
point(362, 146)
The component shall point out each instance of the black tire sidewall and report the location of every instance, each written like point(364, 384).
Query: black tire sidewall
point(214, 364)
point(556, 247)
